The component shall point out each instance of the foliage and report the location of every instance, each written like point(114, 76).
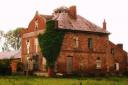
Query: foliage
point(1, 33)
point(1, 38)
point(5, 68)
point(12, 38)
point(50, 43)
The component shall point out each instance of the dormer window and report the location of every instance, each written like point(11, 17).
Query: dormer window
point(36, 24)
point(75, 42)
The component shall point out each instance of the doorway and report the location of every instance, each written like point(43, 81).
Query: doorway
point(69, 64)
point(36, 63)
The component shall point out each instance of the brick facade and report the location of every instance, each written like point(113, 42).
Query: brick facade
point(30, 35)
point(93, 53)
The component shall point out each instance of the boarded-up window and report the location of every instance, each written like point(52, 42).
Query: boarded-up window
point(75, 42)
point(98, 63)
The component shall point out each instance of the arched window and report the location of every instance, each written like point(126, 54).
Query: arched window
point(98, 63)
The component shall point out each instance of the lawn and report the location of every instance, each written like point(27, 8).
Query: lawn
point(32, 80)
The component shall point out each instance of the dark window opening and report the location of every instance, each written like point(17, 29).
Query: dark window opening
point(112, 51)
point(90, 43)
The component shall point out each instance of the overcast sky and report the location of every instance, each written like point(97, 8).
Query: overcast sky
point(18, 13)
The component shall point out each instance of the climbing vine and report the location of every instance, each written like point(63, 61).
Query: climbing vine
point(50, 42)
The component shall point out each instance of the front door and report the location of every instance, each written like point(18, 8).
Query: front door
point(35, 63)
point(69, 64)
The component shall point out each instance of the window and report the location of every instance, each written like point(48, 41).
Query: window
point(75, 42)
point(90, 43)
point(112, 51)
point(98, 63)
point(36, 24)
point(36, 44)
point(116, 66)
point(28, 45)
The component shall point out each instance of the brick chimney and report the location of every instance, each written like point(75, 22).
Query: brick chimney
point(72, 12)
point(37, 12)
point(104, 25)
point(120, 46)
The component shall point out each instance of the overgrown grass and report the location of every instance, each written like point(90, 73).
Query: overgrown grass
point(32, 80)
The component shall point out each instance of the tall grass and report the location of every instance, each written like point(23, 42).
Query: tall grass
point(32, 80)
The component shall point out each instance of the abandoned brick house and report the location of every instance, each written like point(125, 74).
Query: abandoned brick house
point(85, 46)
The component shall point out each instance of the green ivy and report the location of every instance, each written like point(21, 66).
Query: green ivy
point(50, 42)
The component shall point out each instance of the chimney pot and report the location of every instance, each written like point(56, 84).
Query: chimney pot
point(120, 46)
point(104, 25)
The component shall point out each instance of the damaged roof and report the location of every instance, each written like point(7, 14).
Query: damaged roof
point(65, 21)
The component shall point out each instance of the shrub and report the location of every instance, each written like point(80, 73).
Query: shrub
point(5, 68)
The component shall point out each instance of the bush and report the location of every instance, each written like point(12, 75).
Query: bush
point(5, 68)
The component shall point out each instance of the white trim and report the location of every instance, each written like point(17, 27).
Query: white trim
point(31, 34)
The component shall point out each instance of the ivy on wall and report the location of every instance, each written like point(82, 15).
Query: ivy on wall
point(50, 42)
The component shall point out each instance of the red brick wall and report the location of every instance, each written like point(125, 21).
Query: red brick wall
point(101, 48)
point(32, 32)
point(88, 56)
point(119, 56)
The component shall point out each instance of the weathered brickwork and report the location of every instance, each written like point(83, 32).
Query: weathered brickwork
point(30, 34)
point(98, 55)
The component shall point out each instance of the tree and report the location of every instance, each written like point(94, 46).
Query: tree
point(13, 39)
point(50, 43)
point(1, 35)
point(1, 39)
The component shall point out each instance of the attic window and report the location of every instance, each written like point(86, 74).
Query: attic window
point(36, 24)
